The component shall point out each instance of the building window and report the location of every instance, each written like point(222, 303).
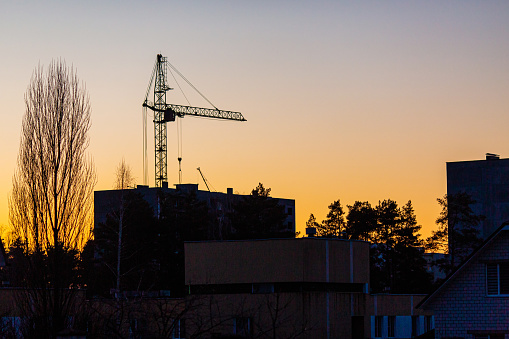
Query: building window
point(489, 336)
point(378, 326)
point(133, 328)
point(415, 326)
point(497, 279)
point(428, 322)
point(289, 211)
point(391, 326)
point(178, 329)
point(262, 288)
point(242, 326)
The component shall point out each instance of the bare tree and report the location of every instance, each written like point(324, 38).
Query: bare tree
point(123, 176)
point(123, 180)
point(50, 207)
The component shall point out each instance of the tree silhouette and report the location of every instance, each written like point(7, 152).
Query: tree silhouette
point(258, 216)
point(334, 224)
point(123, 176)
point(312, 221)
point(409, 266)
point(458, 232)
point(51, 202)
point(361, 221)
point(396, 254)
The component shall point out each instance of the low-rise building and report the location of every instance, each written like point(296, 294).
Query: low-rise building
point(307, 287)
point(268, 288)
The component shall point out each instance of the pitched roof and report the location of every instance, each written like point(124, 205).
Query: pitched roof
point(460, 268)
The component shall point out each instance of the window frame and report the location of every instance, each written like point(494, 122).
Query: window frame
point(179, 330)
point(489, 336)
point(415, 326)
point(428, 323)
point(379, 322)
point(245, 328)
point(391, 326)
point(501, 283)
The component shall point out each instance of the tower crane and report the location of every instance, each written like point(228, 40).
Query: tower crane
point(165, 112)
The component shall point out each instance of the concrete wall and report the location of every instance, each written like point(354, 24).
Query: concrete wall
point(395, 304)
point(321, 314)
point(277, 260)
point(287, 315)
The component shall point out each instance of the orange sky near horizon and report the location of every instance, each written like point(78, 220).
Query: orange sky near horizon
point(352, 101)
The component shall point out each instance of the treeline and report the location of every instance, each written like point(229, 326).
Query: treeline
point(397, 260)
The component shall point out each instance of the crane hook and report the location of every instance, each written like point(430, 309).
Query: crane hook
point(180, 170)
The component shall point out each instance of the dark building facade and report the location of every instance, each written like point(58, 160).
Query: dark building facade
point(289, 288)
point(487, 182)
point(219, 205)
point(142, 231)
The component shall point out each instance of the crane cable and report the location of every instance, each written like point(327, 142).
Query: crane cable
point(179, 147)
point(179, 125)
point(145, 158)
point(190, 84)
point(179, 121)
point(144, 114)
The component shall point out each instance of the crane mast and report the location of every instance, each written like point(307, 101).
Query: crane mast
point(164, 112)
point(160, 133)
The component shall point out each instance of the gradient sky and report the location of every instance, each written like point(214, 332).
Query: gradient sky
point(363, 100)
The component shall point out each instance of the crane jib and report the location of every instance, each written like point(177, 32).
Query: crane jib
point(172, 111)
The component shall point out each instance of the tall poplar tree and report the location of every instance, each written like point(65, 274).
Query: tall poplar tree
point(50, 207)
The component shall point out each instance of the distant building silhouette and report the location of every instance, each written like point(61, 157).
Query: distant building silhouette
point(487, 182)
point(219, 204)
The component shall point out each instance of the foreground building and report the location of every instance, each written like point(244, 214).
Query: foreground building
point(473, 301)
point(306, 288)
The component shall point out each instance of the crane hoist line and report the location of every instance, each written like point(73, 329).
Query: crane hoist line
point(165, 112)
